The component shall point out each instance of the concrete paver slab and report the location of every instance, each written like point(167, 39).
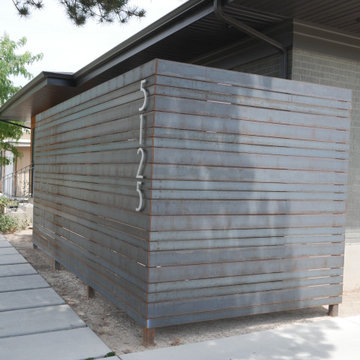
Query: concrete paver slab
point(35, 323)
point(4, 243)
point(330, 339)
point(76, 344)
point(7, 251)
point(32, 321)
point(18, 269)
point(22, 282)
point(29, 299)
point(12, 259)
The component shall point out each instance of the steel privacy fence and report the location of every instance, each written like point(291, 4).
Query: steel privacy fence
point(198, 193)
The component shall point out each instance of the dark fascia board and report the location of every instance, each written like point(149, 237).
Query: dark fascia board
point(170, 23)
point(43, 80)
point(174, 21)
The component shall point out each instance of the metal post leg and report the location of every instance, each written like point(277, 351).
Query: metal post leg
point(90, 292)
point(148, 337)
point(333, 310)
point(56, 265)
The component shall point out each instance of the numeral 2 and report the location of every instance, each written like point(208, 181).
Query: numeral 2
point(139, 174)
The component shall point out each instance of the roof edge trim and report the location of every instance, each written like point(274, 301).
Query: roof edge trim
point(43, 79)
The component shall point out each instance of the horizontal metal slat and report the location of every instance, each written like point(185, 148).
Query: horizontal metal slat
point(236, 312)
point(175, 273)
point(192, 115)
point(241, 300)
point(226, 243)
point(213, 222)
point(202, 73)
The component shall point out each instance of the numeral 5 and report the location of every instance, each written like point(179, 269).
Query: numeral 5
point(141, 198)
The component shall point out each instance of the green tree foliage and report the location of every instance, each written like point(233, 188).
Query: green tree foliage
point(12, 65)
point(81, 10)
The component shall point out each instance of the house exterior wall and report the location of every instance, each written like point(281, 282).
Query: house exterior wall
point(17, 185)
point(316, 58)
point(25, 159)
point(336, 70)
point(267, 66)
point(23, 172)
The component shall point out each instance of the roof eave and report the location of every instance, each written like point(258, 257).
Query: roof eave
point(40, 82)
point(170, 23)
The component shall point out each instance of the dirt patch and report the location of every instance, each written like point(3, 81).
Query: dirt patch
point(123, 335)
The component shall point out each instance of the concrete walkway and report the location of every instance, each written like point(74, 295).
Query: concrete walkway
point(35, 322)
point(329, 338)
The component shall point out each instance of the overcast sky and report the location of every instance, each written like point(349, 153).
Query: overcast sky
point(66, 47)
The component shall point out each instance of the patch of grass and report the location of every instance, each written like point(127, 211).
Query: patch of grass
point(110, 354)
point(13, 204)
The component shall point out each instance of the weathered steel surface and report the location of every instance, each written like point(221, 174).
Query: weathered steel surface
point(244, 188)
point(248, 194)
point(85, 188)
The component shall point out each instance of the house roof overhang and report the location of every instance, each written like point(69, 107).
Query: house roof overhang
point(184, 35)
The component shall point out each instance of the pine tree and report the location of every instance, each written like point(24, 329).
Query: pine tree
point(81, 10)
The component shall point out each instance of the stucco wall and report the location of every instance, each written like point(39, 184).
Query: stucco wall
point(25, 159)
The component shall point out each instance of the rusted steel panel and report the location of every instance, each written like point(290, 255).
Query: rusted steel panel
point(85, 188)
point(213, 270)
point(248, 191)
point(212, 290)
point(241, 280)
point(232, 78)
point(243, 92)
point(236, 312)
point(242, 253)
point(241, 206)
point(200, 304)
point(233, 243)
point(225, 174)
point(221, 138)
point(233, 121)
point(258, 233)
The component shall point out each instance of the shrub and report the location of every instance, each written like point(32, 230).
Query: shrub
point(9, 224)
point(4, 201)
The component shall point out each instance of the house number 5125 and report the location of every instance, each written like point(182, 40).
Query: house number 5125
point(141, 151)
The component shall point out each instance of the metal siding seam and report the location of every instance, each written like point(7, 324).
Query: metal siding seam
point(148, 323)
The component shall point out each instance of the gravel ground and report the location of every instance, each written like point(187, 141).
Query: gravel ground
point(123, 335)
